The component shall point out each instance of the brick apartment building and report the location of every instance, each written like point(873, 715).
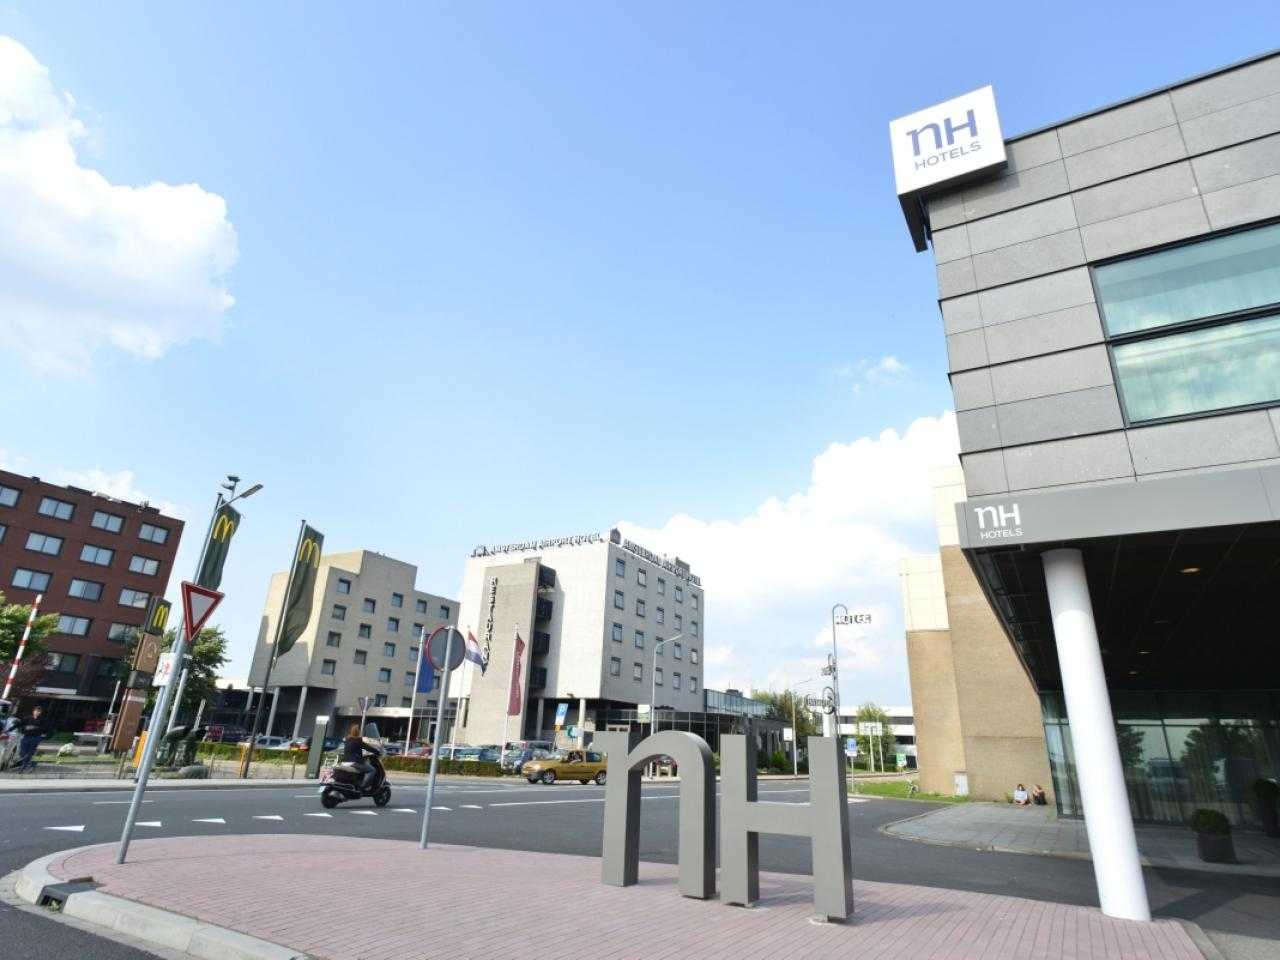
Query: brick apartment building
point(98, 561)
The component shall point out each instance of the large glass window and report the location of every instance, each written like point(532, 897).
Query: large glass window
point(1190, 329)
point(1228, 365)
point(1239, 271)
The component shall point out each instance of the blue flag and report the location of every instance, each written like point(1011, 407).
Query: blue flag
point(426, 675)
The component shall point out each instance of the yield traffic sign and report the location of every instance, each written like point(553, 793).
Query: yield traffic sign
point(198, 604)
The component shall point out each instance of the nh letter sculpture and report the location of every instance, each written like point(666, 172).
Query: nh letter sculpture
point(823, 819)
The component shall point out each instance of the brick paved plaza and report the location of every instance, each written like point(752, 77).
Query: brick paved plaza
point(345, 898)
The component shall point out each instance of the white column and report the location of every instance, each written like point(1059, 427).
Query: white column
point(271, 717)
point(582, 719)
point(297, 717)
point(1112, 844)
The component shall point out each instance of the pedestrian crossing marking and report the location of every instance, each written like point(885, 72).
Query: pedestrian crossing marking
point(362, 813)
point(79, 829)
point(269, 816)
point(210, 820)
point(330, 815)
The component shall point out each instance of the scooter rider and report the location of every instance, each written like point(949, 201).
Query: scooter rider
point(353, 750)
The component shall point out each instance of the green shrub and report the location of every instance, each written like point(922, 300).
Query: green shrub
point(1210, 821)
point(472, 768)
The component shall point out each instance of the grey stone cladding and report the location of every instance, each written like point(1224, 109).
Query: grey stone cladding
point(1035, 396)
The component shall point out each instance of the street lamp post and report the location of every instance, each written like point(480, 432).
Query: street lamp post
point(795, 729)
point(653, 682)
point(835, 666)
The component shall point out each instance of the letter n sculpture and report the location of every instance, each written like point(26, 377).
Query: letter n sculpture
point(627, 757)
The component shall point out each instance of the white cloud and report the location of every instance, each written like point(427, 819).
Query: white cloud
point(87, 265)
point(120, 484)
point(874, 373)
point(772, 576)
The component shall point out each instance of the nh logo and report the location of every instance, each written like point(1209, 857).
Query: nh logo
point(948, 129)
point(1000, 516)
point(743, 817)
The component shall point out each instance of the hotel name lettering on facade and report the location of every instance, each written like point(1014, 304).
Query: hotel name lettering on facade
point(525, 545)
point(663, 562)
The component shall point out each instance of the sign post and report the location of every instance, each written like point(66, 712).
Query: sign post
point(198, 604)
point(445, 650)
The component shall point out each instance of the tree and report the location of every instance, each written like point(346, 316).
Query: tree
point(780, 704)
point(13, 621)
point(884, 746)
point(208, 656)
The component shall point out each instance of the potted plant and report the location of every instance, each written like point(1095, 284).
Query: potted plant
point(1266, 792)
point(1213, 836)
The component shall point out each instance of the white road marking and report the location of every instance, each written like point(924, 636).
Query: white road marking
point(149, 823)
point(79, 829)
point(857, 799)
point(442, 808)
point(533, 803)
point(317, 814)
point(472, 806)
point(362, 813)
point(403, 810)
point(210, 820)
point(270, 816)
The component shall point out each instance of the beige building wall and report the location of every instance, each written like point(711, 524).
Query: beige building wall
point(976, 711)
point(999, 710)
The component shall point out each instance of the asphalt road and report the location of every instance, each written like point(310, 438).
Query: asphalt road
point(566, 818)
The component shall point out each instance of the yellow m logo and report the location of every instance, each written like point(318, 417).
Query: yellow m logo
point(161, 616)
point(223, 528)
point(309, 552)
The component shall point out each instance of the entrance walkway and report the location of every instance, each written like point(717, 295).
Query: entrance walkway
point(339, 898)
point(1013, 829)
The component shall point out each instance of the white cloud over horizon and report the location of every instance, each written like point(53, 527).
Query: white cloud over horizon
point(874, 373)
point(771, 576)
point(88, 266)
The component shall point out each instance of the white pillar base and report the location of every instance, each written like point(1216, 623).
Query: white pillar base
point(1122, 892)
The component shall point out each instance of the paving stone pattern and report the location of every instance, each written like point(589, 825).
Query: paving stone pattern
point(344, 898)
point(1014, 829)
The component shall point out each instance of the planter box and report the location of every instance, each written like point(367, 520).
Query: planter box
point(1215, 848)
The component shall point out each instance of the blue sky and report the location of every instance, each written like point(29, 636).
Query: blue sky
point(504, 272)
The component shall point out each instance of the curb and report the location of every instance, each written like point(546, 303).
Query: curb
point(150, 924)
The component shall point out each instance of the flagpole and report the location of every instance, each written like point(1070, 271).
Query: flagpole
point(457, 711)
point(275, 643)
point(413, 700)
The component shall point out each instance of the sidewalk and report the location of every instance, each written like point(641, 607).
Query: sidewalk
point(1012, 829)
point(335, 898)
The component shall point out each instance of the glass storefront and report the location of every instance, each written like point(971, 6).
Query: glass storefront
point(1181, 750)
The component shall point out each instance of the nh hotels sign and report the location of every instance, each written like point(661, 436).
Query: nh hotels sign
point(946, 141)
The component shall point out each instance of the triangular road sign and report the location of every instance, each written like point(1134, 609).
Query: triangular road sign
point(198, 604)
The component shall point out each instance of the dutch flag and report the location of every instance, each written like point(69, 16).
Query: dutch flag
point(475, 654)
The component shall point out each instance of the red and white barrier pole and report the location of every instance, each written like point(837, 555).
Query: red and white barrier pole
point(22, 647)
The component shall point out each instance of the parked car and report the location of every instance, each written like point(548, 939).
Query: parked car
point(581, 765)
point(420, 751)
point(221, 733)
point(273, 743)
point(513, 761)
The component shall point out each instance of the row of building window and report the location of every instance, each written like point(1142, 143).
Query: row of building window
point(637, 674)
point(63, 510)
point(91, 590)
point(642, 579)
point(339, 612)
point(660, 613)
point(51, 546)
point(369, 605)
point(677, 646)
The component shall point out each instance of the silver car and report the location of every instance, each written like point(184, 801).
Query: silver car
point(10, 735)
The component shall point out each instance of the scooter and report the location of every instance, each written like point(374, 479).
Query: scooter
point(346, 779)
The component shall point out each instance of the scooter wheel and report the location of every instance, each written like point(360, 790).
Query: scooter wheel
point(329, 800)
point(382, 797)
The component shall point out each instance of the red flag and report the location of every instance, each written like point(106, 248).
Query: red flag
point(514, 698)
